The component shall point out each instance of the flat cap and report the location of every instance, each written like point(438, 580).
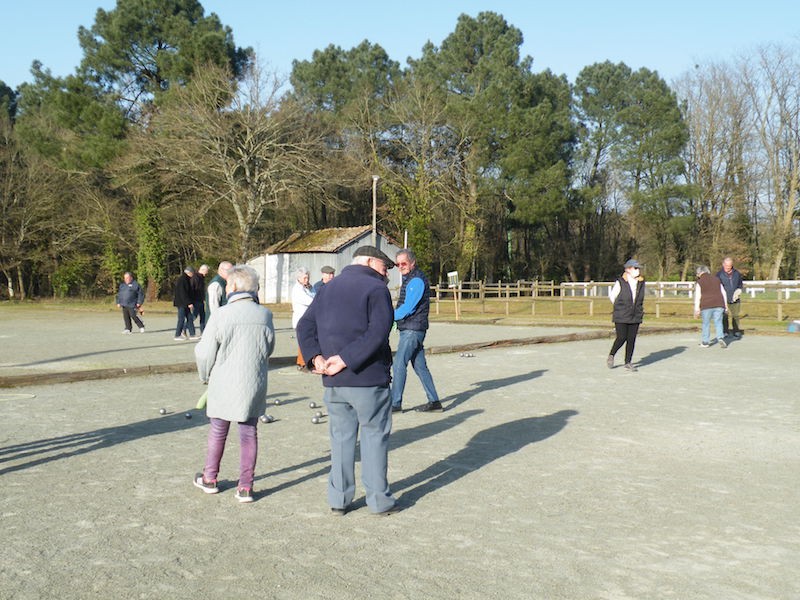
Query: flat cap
point(373, 252)
point(328, 270)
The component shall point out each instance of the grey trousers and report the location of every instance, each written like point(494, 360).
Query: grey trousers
point(367, 408)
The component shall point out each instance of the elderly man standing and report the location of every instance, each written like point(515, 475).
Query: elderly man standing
point(328, 273)
point(344, 335)
point(411, 314)
point(130, 298)
point(733, 284)
point(215, 293)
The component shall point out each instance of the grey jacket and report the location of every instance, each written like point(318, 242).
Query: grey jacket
point(233, 357)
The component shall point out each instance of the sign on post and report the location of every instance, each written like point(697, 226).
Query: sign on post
point(454, 284)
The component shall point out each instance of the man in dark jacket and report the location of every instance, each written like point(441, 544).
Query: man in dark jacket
point(734, 284)
point(411, 314)
point(344, 335)
point(130, 298)
point(183, 300)
point(198, 281)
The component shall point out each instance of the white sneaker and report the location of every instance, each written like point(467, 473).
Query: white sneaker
point(141, 329)
point(195, 337)
point(178, 339)
point(125, 331)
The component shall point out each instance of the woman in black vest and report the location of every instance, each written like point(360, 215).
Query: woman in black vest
point(627, 296)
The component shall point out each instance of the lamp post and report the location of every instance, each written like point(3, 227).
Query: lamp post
point(375, 210)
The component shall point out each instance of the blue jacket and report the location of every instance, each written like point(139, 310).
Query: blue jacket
point(414, 302)
point(130, 294)
point(351, 316)
point(731, 282)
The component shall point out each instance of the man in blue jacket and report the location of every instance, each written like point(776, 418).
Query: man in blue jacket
point(411, 314)
point(344, 335)
point(130, 298)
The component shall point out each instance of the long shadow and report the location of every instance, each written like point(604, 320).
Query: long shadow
point(85, 354)
point(66, 446)
point(396, 440)
point(485, 447)
point(406, 436)
point(490, 384)
point(654, 357)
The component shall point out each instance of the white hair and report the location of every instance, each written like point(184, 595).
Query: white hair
point(243, 278)
point(300, 272)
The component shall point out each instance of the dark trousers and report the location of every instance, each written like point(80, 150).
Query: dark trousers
point(199, 310)
point(128, 313)
point(734, 309)
point(626, 334)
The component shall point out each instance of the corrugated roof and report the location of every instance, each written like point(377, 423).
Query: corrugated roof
point(322, 240)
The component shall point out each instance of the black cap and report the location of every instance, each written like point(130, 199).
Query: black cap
point(373, 252)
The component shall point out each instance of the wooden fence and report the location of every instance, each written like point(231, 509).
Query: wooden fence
point(664, 298)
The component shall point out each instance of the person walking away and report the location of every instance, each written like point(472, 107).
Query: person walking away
point(302, 296)
point(198, 282)
point(130, 298)
point(710, 302)
point(215, 293)
point(233, 359)
point(733, 283)
point(627, 296)
point(344, 334)
point(411, 315)
point(183, 301)
point(328, 273)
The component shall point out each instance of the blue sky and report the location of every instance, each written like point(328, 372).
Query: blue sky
point(562, 35)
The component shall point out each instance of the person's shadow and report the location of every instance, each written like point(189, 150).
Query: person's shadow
point(483, 448)
point(480, 387)
point(654, 357)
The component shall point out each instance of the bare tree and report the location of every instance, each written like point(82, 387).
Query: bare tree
point(770, 79)
point(218, 141)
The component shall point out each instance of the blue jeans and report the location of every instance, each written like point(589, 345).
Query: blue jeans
point(184, 321)
point(709, 314)
point(410, 349)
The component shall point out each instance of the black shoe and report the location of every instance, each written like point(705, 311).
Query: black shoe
point(397, 409)
point(339, 512)
point(389, 511)
point(430, 407)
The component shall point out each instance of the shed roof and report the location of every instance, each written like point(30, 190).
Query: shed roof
point(321, 240)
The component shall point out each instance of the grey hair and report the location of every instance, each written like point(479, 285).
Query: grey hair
point(300, 272)
point(361, 260)
point(244, 278)
point(224, 267)
point(702, 269)
point(409, 253)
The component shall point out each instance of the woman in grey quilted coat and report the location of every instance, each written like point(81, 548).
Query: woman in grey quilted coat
point(233, 359)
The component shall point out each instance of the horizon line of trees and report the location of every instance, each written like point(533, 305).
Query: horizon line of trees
point(171, 145)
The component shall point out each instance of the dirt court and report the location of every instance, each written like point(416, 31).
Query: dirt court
point(547, 476)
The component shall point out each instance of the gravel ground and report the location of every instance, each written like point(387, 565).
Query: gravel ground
point(547, 476)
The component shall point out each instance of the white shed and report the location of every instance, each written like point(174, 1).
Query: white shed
point(315, 249)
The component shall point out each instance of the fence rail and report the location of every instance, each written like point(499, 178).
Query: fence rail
point(664, 298)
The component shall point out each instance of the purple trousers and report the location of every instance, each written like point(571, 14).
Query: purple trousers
point(248, 444)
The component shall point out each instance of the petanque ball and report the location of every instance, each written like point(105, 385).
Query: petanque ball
point(312, 405)
point(162, 411)
point(188, 415)
point(264, 419)
point(315, 420)
point(277, 402)
point(318, 414)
